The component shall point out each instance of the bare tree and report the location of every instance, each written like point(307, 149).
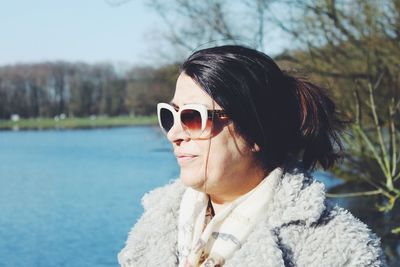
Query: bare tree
point(191, 25)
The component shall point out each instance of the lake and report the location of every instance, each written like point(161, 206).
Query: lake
point(69, 197)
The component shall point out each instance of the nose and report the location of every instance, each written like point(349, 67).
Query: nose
point(177, 134)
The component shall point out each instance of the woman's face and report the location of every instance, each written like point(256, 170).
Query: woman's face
point(223, 165)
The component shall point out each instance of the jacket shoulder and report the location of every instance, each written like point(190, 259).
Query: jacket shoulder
point(336, 239)
point(152, 240)
point(171, 193)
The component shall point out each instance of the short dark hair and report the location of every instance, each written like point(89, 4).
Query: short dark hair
point(285, 116)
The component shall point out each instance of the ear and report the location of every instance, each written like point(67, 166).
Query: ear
point(255, 148)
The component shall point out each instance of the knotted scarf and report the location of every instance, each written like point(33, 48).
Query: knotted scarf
point(227, 231)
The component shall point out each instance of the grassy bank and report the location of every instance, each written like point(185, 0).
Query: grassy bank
point(76, 123)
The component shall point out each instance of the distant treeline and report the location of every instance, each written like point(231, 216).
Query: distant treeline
point(79, 89)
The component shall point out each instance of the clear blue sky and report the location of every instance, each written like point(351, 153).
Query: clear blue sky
point(87, 30)
point(76, 30)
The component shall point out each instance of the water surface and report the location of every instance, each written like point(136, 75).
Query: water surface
point(69, 198)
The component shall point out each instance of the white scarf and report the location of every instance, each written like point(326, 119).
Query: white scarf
point(227, 231)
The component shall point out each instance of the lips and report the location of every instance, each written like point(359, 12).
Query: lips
point(185, 158)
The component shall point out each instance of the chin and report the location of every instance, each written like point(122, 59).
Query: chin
point(192, 179)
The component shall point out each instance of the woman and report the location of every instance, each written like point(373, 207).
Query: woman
point(246, 135)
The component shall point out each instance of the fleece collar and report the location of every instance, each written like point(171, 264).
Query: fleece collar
point(297, 198)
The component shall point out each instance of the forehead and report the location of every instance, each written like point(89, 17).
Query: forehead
point(189, 92)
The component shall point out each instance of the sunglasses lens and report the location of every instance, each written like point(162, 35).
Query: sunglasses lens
point(191, 121)
point(166, 119)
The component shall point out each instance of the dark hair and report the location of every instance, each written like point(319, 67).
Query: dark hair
point(285, 116)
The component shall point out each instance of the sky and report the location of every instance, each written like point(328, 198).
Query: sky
point(77, 30)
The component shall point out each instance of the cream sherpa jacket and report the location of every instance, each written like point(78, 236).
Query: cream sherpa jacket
point(299, 229)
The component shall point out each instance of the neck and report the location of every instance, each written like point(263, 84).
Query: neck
point(220, 201)
point(217, 207)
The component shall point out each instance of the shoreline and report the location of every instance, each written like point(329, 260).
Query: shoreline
point(77, 123)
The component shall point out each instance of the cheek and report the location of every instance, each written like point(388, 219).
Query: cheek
point(226, 157)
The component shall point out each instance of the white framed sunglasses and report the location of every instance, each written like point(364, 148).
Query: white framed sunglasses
point(195, 119)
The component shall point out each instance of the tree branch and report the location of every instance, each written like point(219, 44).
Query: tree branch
point(356, 194)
